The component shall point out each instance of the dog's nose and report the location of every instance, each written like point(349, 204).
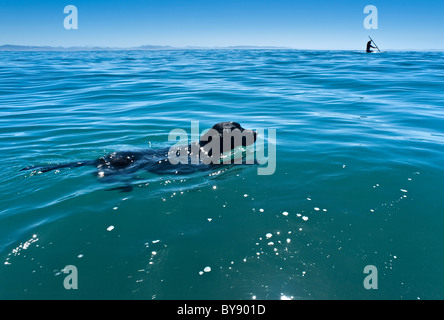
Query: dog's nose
point(247, 133)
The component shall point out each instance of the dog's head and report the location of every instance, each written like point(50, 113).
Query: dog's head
point(230, 135)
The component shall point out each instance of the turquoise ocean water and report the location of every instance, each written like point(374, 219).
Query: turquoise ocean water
point(358, 181)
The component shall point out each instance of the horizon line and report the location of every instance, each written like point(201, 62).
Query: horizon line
point(12, 47)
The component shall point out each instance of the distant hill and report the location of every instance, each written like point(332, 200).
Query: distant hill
point(8, 47)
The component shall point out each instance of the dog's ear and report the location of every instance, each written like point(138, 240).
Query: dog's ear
point(209, 136)
point(230, 135)
point(210, 147)
point(218, 127)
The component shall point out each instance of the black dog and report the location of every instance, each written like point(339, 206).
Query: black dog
point(207, 154)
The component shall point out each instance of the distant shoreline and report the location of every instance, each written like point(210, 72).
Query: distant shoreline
point(23, 48)
point(9, 47)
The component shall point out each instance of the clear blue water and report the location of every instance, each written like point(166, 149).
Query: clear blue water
point(359, 137)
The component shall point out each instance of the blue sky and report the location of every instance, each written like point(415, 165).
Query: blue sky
point(308, 24)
